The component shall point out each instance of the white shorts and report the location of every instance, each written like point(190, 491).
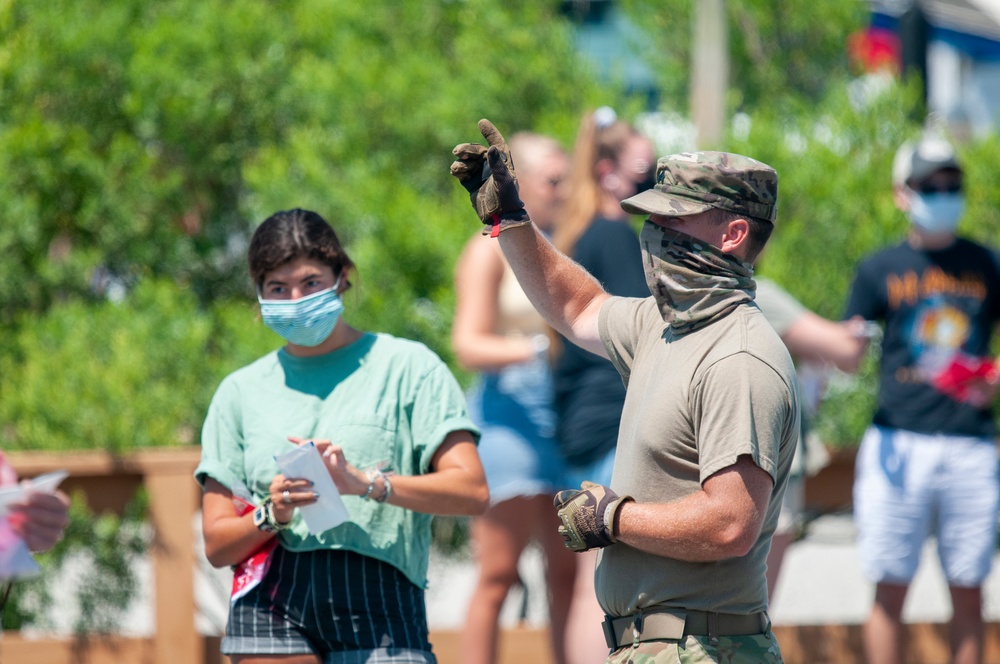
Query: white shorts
point(908, 486)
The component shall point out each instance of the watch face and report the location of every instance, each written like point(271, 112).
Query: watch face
point(260, 518)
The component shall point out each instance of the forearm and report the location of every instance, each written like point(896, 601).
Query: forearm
point(816, 339)
point(564, 293)
point(490, 352)
point(448, 492)
point(691, 529)
point(231, 540)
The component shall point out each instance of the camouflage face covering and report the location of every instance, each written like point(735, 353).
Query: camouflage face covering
point(693, 282)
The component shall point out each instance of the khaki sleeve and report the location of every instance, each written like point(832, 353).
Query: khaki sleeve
point(620, 326)
point(741, 405)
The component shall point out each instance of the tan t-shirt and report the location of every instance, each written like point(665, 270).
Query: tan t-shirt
point(695, 402)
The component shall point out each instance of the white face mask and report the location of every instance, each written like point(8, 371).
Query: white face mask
point(936, 213)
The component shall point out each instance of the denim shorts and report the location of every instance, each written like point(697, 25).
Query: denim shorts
point(597, 471)
point(909, 486)
point(513, 410)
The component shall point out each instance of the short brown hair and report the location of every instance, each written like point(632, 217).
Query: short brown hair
point(760, 230)
point(291, 234)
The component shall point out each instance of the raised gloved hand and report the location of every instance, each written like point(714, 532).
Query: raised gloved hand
point(588, 516)
point(488, 175)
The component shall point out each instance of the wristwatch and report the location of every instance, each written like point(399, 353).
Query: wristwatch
point(260, 517)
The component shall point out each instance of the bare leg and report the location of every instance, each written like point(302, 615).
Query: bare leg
point(498, 537)
point(883, 631)
point(966, 629)
point(779, 544)
point(560, 575)
point(586, 638)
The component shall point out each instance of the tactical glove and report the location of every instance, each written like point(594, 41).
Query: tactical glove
point(488, 175)
point(588, 516)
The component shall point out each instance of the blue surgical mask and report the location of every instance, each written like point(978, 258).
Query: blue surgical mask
point(937, 212)
point(307, 321)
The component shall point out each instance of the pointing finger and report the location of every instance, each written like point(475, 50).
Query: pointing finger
point(492, 135)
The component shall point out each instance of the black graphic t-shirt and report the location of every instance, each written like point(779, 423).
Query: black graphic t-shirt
point(936, 305)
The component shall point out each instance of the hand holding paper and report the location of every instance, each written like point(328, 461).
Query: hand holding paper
point(968, 379)
point(34, 515)
point(305, 462)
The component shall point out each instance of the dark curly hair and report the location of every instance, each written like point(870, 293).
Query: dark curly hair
point(292, 234)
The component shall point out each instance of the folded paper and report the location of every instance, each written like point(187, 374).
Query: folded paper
point(305, 462)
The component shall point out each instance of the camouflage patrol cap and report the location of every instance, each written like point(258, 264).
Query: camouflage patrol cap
point(693, 182)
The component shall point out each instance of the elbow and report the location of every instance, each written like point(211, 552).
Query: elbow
point(736, 540)
point(479, 501)
point(474, 501)
point(465, 354)
point(215, 557)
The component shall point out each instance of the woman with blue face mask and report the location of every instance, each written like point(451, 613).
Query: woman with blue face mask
point(390, 423)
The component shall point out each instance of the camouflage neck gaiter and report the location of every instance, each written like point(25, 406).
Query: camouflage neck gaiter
point(693, 282)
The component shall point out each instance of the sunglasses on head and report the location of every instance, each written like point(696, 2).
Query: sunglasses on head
point(930, 188)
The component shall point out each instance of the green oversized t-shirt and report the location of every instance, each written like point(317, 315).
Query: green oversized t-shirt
point(381, 398)
point(695, 402)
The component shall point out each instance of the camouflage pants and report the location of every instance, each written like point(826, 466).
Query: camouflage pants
point(753, 649)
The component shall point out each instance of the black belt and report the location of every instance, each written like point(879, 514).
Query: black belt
point(675, 624)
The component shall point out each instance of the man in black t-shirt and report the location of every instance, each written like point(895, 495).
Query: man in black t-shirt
point(929, 464)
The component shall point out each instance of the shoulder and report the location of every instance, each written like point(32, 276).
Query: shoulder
point(254, 371)
point(631, 313)
point(247, 379)
point(405, 352)
point(746, 335)
point(969, 247)
point(885, 260)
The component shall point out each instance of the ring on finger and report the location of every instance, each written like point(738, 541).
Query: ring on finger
point(286, 497)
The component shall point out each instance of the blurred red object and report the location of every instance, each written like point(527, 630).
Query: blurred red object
point(955, 378)
point(875, 49)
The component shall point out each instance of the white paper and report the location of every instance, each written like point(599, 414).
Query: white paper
point(305, 462)
point(46, 483)
point(15, 558)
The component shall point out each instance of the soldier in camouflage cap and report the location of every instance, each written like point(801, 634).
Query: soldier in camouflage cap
point(693, 182)
point(711, 415)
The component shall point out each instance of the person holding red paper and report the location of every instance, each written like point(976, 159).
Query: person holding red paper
point(928, 465)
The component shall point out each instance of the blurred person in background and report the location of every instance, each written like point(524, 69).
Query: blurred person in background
point(817, 345)
point(39, 518)
point(928, 464)
point(611, 162)
point(390, 421)
point(497, 332)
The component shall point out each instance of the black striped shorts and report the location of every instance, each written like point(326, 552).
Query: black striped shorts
point(339, 605)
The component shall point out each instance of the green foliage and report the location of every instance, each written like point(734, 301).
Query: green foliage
point(101, 550)
point(151, 137)
point(780, 50)
point(835, 189)
point(117, 376)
